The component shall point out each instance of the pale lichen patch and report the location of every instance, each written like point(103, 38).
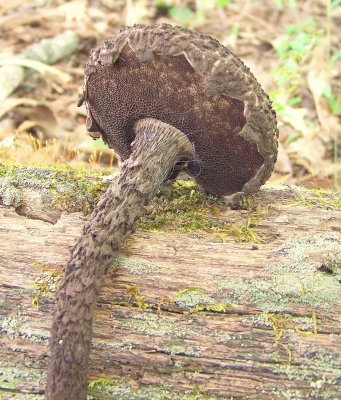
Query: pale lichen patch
point(193, 297)
point(297, 280)
point(137, 266)
point(175, 347)
point(151, 324)
point(12, 379)
point(123, 390)
point(9, 195)
point(21, 326)
point(310, 372)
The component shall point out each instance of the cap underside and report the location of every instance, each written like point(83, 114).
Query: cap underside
point(169, 89)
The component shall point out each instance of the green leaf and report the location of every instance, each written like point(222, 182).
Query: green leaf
point(335, 105)
point(335, 3)
point(294, 100)
point(310, 22)
point(234, 30)
point(278, 3)
point(162, 3)
point(336, 56)
point(292, 137)
point(223, 3)
point(292, 29)
point(327, 91)
point(181, 14)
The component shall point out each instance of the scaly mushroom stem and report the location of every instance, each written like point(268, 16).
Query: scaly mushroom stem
point(156, 149)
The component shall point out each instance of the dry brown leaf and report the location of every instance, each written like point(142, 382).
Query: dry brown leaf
point(43, 117)
point(37, 115)
point(74, 10)
point(318, 78)
point(12, 102)
point(330, 124)
point(135, 11)
point(283, 164)
point(55, 73)
point(26, 126)
point(6, 7)
point(8, 141)
point(12, 21)
point(309, 153)
point(297, 118)
point(317, 81)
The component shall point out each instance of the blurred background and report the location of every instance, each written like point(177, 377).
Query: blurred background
point(291, 46)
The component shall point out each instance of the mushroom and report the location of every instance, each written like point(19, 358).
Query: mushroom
point(165, 99)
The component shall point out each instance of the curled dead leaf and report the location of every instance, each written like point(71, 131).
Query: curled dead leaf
point(12, 102)
point(309, 153)
point(53, 72)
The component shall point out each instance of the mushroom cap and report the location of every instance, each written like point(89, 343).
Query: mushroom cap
point(192, 82)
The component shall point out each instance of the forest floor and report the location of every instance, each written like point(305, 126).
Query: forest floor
point(292, 47)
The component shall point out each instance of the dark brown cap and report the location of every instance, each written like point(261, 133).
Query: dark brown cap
point(193, 83)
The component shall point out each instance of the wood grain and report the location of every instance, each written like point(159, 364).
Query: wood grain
point(272, 339)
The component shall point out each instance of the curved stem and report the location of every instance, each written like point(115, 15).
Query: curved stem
point(156, 149)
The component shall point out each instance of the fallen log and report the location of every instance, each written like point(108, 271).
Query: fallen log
point(202, 300)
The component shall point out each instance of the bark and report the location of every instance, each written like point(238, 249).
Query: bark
point(156, 149)
point(160, 331)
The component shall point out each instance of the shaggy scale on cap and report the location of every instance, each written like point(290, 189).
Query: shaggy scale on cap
point(192, 82)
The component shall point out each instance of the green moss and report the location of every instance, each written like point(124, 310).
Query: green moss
point(317, 198)
point(217, 307)
point(101, 382)
point(182, 208)
point(246, 203)
point(194, 300)
point(179, 207)
point(296, 281)
point(318, 372)
point(134, 292)
point(245, 233)
point(68, 187)
point(21, 326)
point(193, 297)
point(137, 266)
point(26, 374)
point(44, 287)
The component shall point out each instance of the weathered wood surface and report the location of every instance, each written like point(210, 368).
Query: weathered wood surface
point(184, 314)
